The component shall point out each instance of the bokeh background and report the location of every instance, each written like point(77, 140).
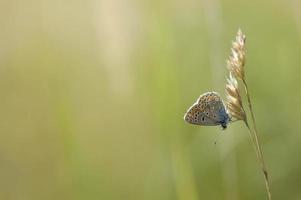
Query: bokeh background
point(93, 95)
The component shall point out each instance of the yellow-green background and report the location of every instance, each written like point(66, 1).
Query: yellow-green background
point(92, 97)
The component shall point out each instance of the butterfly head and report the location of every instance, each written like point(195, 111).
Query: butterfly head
point(224, 126)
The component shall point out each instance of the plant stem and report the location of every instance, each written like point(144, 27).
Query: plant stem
point(253, 141)
point(259, 151)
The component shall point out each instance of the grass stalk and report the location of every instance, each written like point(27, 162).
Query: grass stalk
point(256, 142)
point(236, 64)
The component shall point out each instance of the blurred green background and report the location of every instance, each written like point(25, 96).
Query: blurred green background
point(93, 95)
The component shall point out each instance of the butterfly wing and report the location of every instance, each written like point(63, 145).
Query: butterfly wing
point(208, 97)
point(209, 110)
point(214, 107)
point(195, 115)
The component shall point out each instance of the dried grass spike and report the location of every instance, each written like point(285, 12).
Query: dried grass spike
point(234, 102)
point(236, 60)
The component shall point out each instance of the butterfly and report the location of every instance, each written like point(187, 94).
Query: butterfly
point(208, 110)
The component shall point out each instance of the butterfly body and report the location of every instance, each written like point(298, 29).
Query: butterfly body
point(208, 110)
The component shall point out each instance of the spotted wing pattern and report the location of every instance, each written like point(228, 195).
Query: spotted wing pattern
point(195, 115)
point(209, 110)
